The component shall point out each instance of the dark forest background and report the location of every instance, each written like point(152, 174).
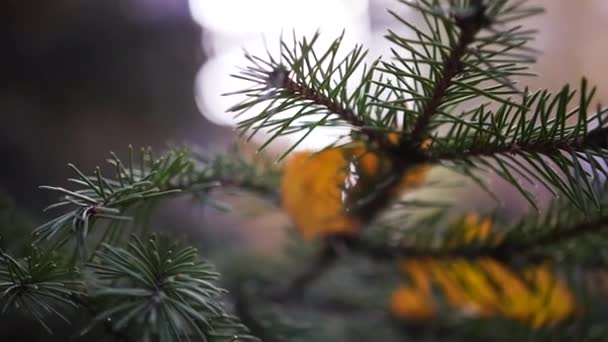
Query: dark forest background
point(79, 78)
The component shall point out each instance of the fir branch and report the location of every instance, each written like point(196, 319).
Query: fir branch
point(302, 83)
point(307, 93)
point(157, 290)
point(535, 238)
point(562, 231)
point(234, 169)
point(161, 290)
point(537, 141)
point(453, 58)
point(102, 198)
point(307, 82)
point(511, 129)
point(556, 236)
point(346, 114)
point(383, 252)
point(470, 24)
point(112, 199)
point(40, 285)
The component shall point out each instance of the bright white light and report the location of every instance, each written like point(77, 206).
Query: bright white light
point(232, 25)
point(257, 16)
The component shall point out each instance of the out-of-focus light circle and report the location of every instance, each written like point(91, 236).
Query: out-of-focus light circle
point(255, 16)
point(214, 79)
point(234, 25)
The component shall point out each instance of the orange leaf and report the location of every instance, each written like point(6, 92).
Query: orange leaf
point(316, 186)
point(485, 287)
point(312, 193)
point(412, 304)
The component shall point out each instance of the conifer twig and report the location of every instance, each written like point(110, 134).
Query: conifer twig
point(507, 251)
point(312, 95)
point(559, 235)
point(346, 114)
point(536, 148)
point(469, 25)
point(597, 138)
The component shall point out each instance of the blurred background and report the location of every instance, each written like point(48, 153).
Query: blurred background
point(80, 78)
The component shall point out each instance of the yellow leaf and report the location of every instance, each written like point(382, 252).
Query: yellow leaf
point(312, 190)
point(316, 186)
point(518, 297)
point(554, 300)
point(417, 272)
point(479, 290)
point(453, 292)
point(485, 287)
point(476, 230)
point(412, 304)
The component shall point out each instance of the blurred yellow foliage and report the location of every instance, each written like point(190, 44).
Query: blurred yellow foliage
point(311, 192)
point(482, 288)
point(316, 186)
point(475, 230)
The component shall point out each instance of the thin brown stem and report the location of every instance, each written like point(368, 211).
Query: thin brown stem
point(392, 252)
point(596, 139)
point(507, 251)
point(346, 114)
point(561, 235)
point(469, 26)
point(481, 150)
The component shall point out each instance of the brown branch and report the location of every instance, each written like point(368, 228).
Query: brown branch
point(391, 252)
point(452, 66)
point(481, 150)
point(560, 235)
point(596, 139)
point(346, 114)
point(469, 26)
point(312, 95)
point(507, 251)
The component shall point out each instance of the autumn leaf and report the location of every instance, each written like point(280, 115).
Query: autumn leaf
point(312, 189)
point(412, 303)
point(482, 288)
point(317, 187)
point(474, 230)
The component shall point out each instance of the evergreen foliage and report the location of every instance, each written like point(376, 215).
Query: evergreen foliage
point(367, 264)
